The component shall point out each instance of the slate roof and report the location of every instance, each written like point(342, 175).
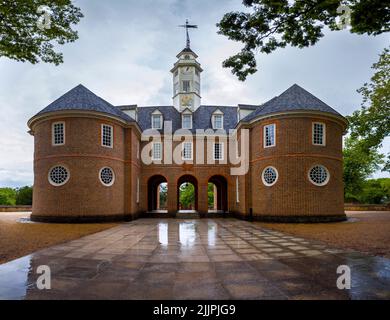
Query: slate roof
point(80, 98)
point(201, 117)
point(294, 98)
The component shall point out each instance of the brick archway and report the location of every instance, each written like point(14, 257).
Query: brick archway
point(190, 179)
point(153, 194)
point(221, 197)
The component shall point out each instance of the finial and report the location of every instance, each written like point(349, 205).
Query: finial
point(188, 26)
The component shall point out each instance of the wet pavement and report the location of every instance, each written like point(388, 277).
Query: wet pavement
point(194, 259)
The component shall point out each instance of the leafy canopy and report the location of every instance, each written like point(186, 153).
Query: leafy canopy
point(368, 127)
point(22, 39)
point(271, 24)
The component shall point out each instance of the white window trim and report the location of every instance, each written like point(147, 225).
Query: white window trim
point(112, 136)
point(265, 182)
point(327, 176)
point(323, 144)
point(222, 151)
point(161, 120)
point(53, 134)
point(137, 196)
point(58, 184)
point(237, 191)
point(192, 151)
point(265, 137)
point(182, 120)
point(113, 177)
point(213, 120)
point(161, 151)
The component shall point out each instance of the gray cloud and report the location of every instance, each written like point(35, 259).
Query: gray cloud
point(125, 52)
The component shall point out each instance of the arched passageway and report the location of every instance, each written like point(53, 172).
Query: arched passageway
point(217, 194)
point(157, 193)
point(187, 194)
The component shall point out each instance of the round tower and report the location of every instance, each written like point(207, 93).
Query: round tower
point(79, 159)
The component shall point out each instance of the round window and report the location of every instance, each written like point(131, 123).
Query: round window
point(58, 176)
point(269, 176)
point(319, 175)
point(107, 176)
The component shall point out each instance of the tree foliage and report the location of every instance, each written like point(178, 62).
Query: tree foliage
point(22, 39)
point(24, 196)
point(187, 196)
point(271, 24)
point(373, 191)
point(7, 197)
point(18, 196)
point(369, 126)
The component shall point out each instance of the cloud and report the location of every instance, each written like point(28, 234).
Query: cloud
point(125, 52)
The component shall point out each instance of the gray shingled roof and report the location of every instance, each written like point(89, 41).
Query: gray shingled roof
point(201, 117)
point(294, 98)
point(80, 98)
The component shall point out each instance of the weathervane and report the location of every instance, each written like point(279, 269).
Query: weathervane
point(188, 26)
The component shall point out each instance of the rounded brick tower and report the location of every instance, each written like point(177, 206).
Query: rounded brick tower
point(296, 160)
point(80, 159)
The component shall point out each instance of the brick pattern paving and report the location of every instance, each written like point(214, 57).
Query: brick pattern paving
point(195, 259)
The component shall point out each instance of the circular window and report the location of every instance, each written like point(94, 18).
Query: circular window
point(58, 176)
point(319, 175)
point(107, 176)
point(269, 176)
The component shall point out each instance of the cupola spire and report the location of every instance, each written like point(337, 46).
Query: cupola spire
point(188, 26)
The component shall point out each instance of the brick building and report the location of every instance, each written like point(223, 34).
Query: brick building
point(276, 161)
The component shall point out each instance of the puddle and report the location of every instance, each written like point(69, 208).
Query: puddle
point(14, 278)
point(25, 220)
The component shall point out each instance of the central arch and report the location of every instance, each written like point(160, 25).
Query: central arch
point(219, 187)
point(189, 179)
point(157, 187)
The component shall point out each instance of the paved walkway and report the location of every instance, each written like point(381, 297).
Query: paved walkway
point(194, 259)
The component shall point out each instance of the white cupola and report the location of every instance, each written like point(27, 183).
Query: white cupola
point(186, 79)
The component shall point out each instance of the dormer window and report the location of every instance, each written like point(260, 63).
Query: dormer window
point(157, 120)
point(187, 121)
point(217, 120)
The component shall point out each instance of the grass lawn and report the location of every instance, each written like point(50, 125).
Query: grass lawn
point(19, 239)
point(364, 231)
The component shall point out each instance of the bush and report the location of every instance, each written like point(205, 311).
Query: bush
point(24, 196)
point(7, 197)
point(374, 191)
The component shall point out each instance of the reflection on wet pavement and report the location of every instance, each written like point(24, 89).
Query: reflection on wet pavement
point(194, 259)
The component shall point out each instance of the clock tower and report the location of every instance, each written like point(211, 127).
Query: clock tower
point(186, 78)
point(186, 81)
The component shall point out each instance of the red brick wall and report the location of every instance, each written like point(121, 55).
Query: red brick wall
point(84, 195)
point(83, 155)
point(293, 156)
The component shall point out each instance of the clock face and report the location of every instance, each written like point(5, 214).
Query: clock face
point(186, 100)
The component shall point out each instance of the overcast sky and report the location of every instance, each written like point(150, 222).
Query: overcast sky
point(125, 52)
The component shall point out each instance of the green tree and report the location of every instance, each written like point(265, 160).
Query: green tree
point(187, 195)
point(359, 163)
point(7, 197)
point(163, 195)
point(27, 34)
point(210, 195)
point(368, 127)
point(270, 24)
point(24, 196)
